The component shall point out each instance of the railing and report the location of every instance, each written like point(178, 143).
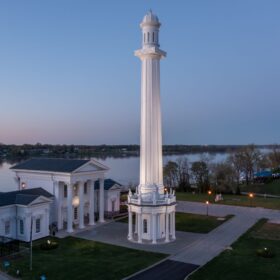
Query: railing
point(161, 201)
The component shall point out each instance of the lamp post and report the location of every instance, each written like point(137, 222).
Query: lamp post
point(207, 204)
point(251, 196)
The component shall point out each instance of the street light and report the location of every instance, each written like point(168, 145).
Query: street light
point(209, 192)
point(207, 204)
point(251, 196)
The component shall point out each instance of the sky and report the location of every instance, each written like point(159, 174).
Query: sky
point(68, 74)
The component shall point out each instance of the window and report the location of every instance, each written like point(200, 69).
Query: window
point(75, 213)
point(144, 37)
point(7, 227)
point(153, 36)
point(65, 190)
point(75, 190)
point(148, 36)
point(85, 188)
point(145, 226)
point(38, 225)
point(21, 227)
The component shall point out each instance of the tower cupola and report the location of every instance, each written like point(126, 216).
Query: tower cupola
point(150, 30)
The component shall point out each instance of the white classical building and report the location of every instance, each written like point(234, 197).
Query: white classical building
point(69, 193)
point(17, 208)
point(151, 204)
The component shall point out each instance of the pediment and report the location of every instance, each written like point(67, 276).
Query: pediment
point(39, 200)
point(91, 166)
point(115, 187)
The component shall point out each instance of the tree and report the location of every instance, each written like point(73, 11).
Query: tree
point(274, 158)
point(224, 177)
point(170, 174)
point(200, 174)
point(245, 161)
point(183, 174)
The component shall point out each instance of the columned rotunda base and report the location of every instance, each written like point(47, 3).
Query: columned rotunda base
point(151, 219)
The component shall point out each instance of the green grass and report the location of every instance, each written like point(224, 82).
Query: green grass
point(237, 200)
point(83, 259)
point(197, 223)
point(269, 188)
point(242, 262)
point(193, 222)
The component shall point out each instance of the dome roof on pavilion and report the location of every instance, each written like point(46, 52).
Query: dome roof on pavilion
point(150, 18)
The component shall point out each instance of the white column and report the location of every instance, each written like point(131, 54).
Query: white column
point(59, 206)
point(129, 224)
point(139, 228)
point(173, 226)
point(154, 221)
point(101, 200)
point(91, 202)
point(69, 208)
point(167, 227)
point(81, 205)
point(136, 223)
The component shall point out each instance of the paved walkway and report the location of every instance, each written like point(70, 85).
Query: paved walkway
point(162, 271)
point(116, 233)
point(209, 246)
point(193, 250)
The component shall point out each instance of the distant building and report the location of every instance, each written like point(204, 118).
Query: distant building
point(72, 193)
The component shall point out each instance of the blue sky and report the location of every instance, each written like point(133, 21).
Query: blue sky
point(68, 73)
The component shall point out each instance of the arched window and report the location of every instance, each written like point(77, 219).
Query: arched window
point(144, 37)
point(145, 226)
point(153, 36)
point(148, 37)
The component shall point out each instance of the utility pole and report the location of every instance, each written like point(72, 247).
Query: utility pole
point(31, 227)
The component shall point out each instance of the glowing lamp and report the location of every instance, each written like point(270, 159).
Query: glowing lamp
point(76, 201)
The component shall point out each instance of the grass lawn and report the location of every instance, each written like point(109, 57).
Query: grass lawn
point(193, 222)
point(82, 259)
point(197, 223)
point(269, 188)
point(238, 200)
point(242, 262)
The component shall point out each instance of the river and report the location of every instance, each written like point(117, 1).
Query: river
point(124, 170)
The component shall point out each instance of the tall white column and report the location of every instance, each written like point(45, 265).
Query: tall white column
point(136, 223)
point(167, 227)
point(101, 200)
point(129, 224)
point(69, 207)
point(81, 205)
point(91, 202)
point(59, 207)
point(139, 227)
point(173, 226)
point(154, 223)
point(151, 134)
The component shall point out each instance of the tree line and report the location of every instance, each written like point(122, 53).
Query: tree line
point(225, 176)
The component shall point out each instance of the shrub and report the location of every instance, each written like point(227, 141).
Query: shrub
point(49, 245)
point(265, 253)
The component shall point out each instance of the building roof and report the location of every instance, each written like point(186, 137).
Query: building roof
point(22, 197)
point(264, 173)
point(51, 164)
point(150, 17)
point(108, 184)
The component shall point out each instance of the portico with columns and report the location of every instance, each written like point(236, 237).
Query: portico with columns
point(76, 202)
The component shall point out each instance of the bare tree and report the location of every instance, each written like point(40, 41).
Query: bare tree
point(183, 174)
point(200, 174)
point(246, 161)
point(170, 174)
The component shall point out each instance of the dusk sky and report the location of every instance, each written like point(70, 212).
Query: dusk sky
point(68, 74)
